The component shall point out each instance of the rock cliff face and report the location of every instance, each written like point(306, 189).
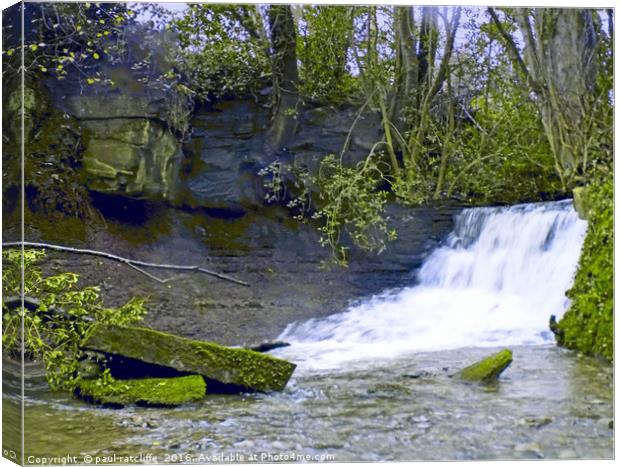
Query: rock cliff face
point(132, 129)
point(131, 147)
point(227, 150)
point(143, 137)
point(130, 155)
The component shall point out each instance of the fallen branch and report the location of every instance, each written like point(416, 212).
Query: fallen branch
point(152, 276)
point(131, 262)
point(33, 304)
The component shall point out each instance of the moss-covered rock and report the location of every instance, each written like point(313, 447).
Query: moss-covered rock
point(136, 157)
point(581, 202)
point(245, 369)
point(487, 369)
point(148, 392)
point(588, 324)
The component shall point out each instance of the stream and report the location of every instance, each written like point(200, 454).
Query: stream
point(373, 381)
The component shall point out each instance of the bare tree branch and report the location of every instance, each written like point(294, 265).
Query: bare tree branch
point(445, 60)
point(152, 276)
point(513, 51)
point(131, 262)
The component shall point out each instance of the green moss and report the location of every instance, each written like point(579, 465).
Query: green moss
point(149, 391)
point(232, 366)
point(488, 369)
point(588, 324)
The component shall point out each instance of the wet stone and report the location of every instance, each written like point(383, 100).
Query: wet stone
point(389, 388)
point(420, 374)
point(529, 450)
point(488, 369)
point(536, 422)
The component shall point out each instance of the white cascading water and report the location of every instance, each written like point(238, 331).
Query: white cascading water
point(501, 274)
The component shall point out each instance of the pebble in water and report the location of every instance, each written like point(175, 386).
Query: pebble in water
point(529, 450)
point(536, 422)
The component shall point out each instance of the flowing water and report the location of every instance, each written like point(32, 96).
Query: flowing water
point(500, 276)
point(373, 382)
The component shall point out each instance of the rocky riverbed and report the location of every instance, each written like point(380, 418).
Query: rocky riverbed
point(549, 404)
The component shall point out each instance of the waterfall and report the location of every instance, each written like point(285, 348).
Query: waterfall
point(495, 282)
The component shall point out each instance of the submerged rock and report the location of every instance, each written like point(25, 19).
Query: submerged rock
point(148, 392)
point(536, 422)
point(389, 388)
point(487, 369)
point(428, 373)
point(529, 450)
point(240, 368)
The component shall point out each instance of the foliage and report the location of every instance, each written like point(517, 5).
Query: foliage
point(346, 204)
point(480, 140)
point(501, 153)
point(273, 183)
point(588, 324)
point(222, 50)
point(571, 105)
point(326, 34)
point(69, 36)
point(63, 317)
point(352, 206)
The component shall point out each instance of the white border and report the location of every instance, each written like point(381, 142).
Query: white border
point(545, 3)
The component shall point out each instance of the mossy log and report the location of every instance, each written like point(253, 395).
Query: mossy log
point(155, 392)
point(241, 368)
point(487, 369)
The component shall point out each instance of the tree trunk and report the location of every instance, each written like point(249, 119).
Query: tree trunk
point(446, 147)
point(429, 38)
point(407, 65)
point(559, 66)
point(285, 75)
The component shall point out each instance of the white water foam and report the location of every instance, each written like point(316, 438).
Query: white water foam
point(501, 274)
